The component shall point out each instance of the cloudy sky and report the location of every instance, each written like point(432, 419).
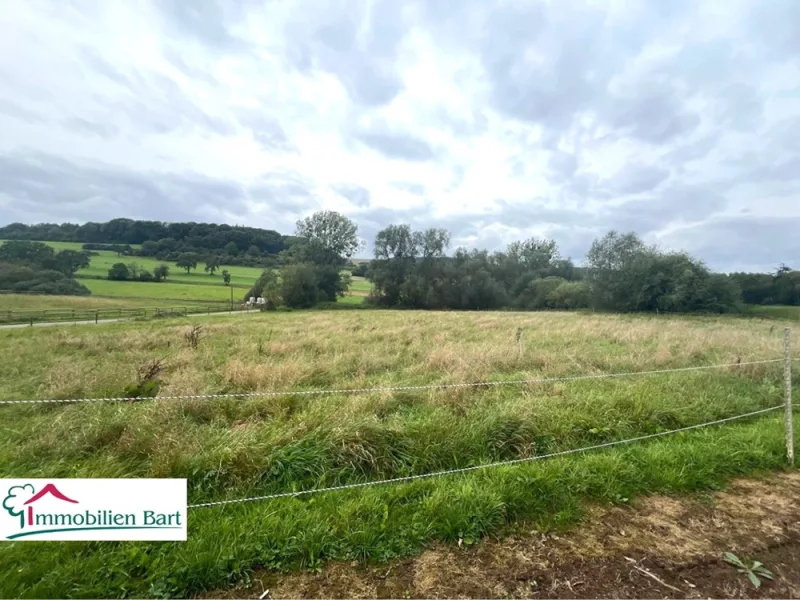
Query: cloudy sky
point(497, 119)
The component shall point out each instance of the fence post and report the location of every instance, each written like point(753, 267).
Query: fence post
point(787, 377)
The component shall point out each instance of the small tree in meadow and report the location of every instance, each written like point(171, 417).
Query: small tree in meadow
point(188, 261)
point(226, 277)
point(160, 273)
point(119, 272)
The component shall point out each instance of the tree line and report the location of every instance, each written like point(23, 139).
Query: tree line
point(247, 246)
point(412, 269)
point(38, 268)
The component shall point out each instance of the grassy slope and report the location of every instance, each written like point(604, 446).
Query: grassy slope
point(204, 287)
point(235, 448)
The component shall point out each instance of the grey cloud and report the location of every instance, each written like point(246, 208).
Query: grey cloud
point(563, 164)
point(85, 126)
point(652, 113)
point(635, 178)
point(20, 112)
point(100, 65)
point(329, 39)
point(266, 131)
point(397, 145)
point(769, 241)
point(176, 58)
point(42, 187)
point(287, 192)
point(204, 20)
point(355, 193)
point(412, 188)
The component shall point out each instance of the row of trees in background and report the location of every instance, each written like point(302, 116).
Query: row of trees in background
point(247, 246)
point(38, 268)
point(134, 272)
point(781, 287)
point(411, 269)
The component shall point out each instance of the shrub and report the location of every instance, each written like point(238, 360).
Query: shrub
point(119, 272)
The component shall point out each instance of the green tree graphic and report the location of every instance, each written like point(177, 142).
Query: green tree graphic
point(15, 501)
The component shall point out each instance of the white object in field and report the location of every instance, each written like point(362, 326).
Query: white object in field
point(261, 300)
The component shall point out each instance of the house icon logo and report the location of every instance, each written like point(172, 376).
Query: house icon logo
point(21, 499)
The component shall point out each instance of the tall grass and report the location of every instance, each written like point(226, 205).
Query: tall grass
point(237, 448)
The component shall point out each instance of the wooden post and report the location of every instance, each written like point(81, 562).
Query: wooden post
point(787, 382)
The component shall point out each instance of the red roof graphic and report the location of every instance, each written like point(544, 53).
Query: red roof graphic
point(52, 490)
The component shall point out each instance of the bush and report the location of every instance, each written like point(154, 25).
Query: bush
point(18, 278)
point(145, 275)
point(299, 287)
point(569, 295)
point(119, 272)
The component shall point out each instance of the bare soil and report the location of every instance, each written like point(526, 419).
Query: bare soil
point(660, 547)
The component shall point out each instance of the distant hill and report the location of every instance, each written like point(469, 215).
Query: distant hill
point(156, 238)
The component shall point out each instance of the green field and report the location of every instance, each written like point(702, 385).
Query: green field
point(776, 311)
point(236, 448)
point(180, 286)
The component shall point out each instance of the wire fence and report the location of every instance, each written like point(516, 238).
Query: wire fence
point(398, 388)
point(505, 463)
point(787, 406)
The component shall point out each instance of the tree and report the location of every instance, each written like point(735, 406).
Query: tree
point(145, 275)
point(70, 261)
point(160, 273)
point(133, 269)
point(299, 287)
point(119, 272)
point(327, 237)
point(226, 277)
point(212, 264)
point(617, 265)
point(254, 251)
point(231, 248)
point(188, 261)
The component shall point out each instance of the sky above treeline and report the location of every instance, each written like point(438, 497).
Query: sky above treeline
point(496, 119)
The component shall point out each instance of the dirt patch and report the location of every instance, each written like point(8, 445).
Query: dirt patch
point(661, 547)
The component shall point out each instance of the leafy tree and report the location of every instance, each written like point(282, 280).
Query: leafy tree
point(212, 264)
point(145, 275)
point(119, 272)
point(254, 251)
point(299, 286)
point(70, 261)
point(231, 248)
point(226, 277)
point(160, 273)
point(188, 261)
point(327, 238)
point(133, 270)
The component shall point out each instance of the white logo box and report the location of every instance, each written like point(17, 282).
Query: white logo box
point(92, 509)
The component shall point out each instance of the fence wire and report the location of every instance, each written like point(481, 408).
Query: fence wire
point(505, 463)
point(400, 388)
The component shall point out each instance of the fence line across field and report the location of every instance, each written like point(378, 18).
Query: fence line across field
point(400, 388)
point(504, 463)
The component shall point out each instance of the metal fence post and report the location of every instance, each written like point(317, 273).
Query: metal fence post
point(787, 382)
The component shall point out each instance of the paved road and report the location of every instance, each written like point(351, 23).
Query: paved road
point(102, 321)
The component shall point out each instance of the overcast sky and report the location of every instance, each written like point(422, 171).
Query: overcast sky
point(497, 119)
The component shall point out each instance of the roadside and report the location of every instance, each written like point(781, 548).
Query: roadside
point(661, 547)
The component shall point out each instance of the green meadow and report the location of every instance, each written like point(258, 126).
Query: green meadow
point(233, 448)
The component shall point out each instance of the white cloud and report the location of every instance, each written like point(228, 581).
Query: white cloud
point(499, 120)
